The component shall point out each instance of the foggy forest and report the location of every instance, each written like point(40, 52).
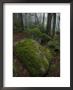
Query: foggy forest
point(36, 44)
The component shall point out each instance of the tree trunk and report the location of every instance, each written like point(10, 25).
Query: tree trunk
point(43, 20)
point(54, 24)
point(26, 21)
point(49, 17)
point(21, 20)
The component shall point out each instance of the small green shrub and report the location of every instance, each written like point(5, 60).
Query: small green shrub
point(35, 57)
point(39, 36)
point(54, 44)
point(35, 32)
point(45, 38)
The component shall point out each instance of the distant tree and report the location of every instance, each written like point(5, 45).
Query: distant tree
point(59, 23)
point(18, 22)
point(49, 18)
point(26, 21)
point(54, 24)
point(21, 19)
point(36, 19)
point(43, 20)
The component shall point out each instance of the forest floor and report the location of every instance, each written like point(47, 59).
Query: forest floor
point(54, 70)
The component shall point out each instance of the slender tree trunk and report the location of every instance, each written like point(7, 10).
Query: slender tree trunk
point(26, 20)
point(36, 19)
point(30, 22)
point(49, 24)
point(43, 20)
point(21, 20)
point(54, 24)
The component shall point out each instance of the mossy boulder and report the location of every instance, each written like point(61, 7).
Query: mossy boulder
point(35, 57)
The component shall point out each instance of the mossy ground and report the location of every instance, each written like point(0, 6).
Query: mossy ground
point(54, 69)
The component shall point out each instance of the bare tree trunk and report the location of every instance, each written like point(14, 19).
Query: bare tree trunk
point(43, 20)
point(36, 19)
point(54, 24)
point(26, 20)
point(49, 17)
point(21, 20)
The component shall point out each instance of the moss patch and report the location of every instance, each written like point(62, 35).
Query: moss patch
point(35, 57)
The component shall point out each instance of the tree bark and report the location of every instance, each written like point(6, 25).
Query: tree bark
point(21, 20)
point(49, 17)
point(54, 24)
point(43, 20)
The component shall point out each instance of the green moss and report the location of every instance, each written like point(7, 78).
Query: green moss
point(34, 56)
